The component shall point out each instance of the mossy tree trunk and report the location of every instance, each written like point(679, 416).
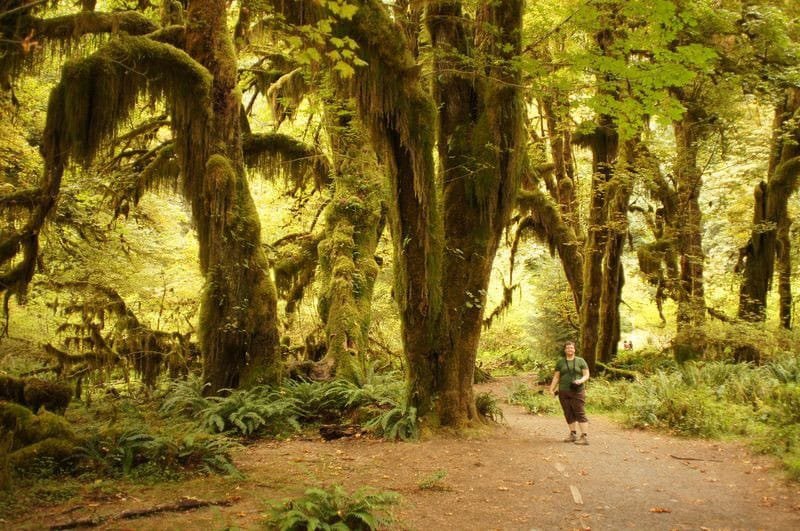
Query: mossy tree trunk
point(689, 131)
point(563, 191)
point(771, 221)
point(354, 221)
point(618, 192)
point(400, 115)
point(480, 139)
point(605, 146)
point(238, 315)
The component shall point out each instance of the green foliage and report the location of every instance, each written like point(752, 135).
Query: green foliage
point(333, 509)
point(665, 401)
point(434, 481)
point(646, 360)
point(258, 410)
point(185, 397)
point(785, 369)
point(486, 404)
point(607, 395)
point(535, 402)
point(140, 453)
point(400, 422)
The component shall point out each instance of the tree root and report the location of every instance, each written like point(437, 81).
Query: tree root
point(184, 504)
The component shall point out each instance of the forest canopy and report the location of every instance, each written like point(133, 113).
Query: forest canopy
point(256, 192)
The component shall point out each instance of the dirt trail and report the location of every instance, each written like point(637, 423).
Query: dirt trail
point(519, 476)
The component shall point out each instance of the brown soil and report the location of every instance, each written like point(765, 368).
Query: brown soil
point(517, 476)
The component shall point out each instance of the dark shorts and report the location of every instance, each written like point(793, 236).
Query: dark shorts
point(572, 403)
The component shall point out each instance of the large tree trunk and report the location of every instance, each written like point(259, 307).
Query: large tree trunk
point(354, 222)
point(771, 220)
point(689, 231)
point(605, 145)
point(618, 193)
point(238, 326)
point(480, 138)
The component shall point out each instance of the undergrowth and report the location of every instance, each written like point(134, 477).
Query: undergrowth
point(333, 508)
point(714, 399)
point(535, 402)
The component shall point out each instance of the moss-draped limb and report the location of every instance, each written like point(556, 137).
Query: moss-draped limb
point(547, 223)
point(94, 97)
point(282, 155)
point(295, 266)
point(24, 34)
point(69, 27)
point(354, 221)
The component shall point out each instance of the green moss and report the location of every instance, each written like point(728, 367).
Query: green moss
point(13, 415)
point(53, 448)
point(42, 426)
point(54, 396)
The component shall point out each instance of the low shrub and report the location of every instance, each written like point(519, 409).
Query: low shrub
point(486, 404)
point(400, 422)
point(333, 508)
point(535, 402)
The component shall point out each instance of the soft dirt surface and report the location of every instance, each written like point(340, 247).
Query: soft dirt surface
point(517, 476)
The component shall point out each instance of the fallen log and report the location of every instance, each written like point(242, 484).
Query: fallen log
point(184, 504)
point(619, 373)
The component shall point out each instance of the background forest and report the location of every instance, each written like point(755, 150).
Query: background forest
point(244, 218)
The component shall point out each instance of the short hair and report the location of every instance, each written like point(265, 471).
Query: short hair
point(569, 343)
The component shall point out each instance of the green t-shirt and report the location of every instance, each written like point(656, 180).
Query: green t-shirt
point(570, 371)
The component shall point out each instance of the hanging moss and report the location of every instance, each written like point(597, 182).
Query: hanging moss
point(295, 266)
point(60, 35)
point(274, 154)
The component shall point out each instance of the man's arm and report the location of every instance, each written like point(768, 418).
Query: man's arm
point(554, 383)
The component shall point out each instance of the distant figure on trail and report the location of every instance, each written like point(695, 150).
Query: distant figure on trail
point(627, 345)
point(570, 375)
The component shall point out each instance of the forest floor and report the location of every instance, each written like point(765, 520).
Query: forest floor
point(515, 476)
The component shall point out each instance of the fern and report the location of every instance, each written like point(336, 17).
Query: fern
point(184, 397)
point(333, 508)
point(486, 404)
point(400, 422)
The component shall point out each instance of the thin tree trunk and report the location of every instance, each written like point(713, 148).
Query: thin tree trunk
point(605, 145)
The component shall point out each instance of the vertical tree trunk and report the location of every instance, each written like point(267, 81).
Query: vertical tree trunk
point(238, 326)
point(605, 145)
point(618, 193)
point(354, 221)
point(689, 231)
point(480, 138)
point(556, 109)
point(771, 222)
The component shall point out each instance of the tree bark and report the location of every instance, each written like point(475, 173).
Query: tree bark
point(771, 222)
point(605, 146)
point(480, 136)
point(689, 130)
point(238, 314)
point(354, 222)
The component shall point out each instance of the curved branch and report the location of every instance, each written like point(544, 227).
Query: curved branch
point(70, 27)
point(275, 154)
point(96, 95)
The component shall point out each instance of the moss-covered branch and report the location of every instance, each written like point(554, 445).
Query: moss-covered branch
point(275, 154)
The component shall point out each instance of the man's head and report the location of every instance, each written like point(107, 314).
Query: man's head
point(569, 348)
